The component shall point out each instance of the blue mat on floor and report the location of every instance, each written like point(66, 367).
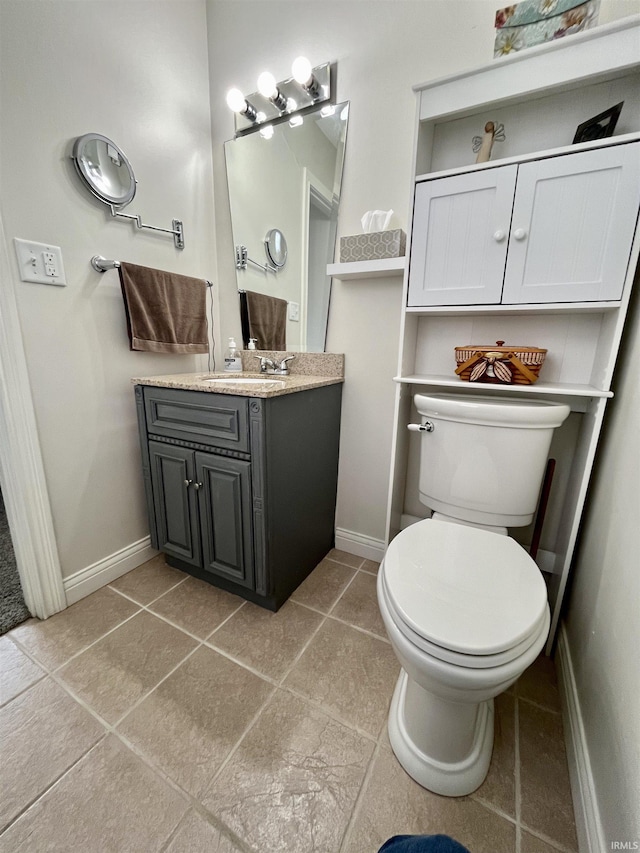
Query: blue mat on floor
point(422, 844)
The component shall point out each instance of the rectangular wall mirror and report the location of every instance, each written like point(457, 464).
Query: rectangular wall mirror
point(288, 178)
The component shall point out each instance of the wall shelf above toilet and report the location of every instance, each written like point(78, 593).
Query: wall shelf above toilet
point(551, 286)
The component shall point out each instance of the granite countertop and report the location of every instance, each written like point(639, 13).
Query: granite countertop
point(308, 370)
point(276, 386)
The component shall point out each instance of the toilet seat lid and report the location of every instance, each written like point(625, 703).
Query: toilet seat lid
point(464, 589)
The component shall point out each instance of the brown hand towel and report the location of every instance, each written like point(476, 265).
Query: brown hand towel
point(267, 317)
point(165, 312)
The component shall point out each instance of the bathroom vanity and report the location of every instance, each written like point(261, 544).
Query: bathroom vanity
point(240, 476)
point(536, 247)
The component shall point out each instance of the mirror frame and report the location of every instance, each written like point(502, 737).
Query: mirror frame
point(275, 256)
point(80, 161)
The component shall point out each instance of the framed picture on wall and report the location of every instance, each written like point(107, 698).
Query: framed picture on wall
point(600, 126)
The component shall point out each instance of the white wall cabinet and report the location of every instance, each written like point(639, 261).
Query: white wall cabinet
point(556, 229)
point(539, 248)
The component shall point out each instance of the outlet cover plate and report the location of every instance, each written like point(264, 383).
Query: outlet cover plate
point(40, 262)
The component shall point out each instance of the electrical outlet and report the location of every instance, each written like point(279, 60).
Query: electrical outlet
point(39, 262)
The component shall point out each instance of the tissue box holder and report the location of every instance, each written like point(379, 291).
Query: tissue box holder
point(374, 246)
point(537, 21)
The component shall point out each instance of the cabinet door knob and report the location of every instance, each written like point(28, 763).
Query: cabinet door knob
point(188, 483)
point(499, 235)
point(519, 233)
point(197, 486)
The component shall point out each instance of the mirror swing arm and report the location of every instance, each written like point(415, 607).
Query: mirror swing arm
point(242, 259)
point(177, 228)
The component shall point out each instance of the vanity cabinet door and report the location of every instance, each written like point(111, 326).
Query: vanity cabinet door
point(224, 495)
point(573, 223)
point(460, 237)
point(175, 501)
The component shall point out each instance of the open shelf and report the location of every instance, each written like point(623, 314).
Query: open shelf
point(561, 389)
point(382, 268)
point(515, 309)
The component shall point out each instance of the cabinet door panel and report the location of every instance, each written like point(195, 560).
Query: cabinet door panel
point(460, 236)
point(175, 502)
point(573, 224)
point(225, 516)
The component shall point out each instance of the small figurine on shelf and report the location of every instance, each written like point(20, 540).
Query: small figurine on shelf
point(483, 144)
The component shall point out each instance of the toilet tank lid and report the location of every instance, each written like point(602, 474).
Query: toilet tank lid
point(493, 411)
point(464, 589)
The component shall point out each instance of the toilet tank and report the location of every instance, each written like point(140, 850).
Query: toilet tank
point(485, 457)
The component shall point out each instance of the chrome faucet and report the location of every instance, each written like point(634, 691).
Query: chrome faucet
point(268, 365)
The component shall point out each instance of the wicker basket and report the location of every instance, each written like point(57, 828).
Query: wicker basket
point(499, 365)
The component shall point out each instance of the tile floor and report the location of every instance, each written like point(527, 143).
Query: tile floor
point(163, 714)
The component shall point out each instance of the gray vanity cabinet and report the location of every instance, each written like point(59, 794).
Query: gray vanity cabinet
point(241, 490)
point(202, 507)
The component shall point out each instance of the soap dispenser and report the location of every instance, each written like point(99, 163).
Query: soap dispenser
point(232, 360)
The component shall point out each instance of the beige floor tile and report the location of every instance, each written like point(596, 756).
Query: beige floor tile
point(324, 585)
point(17, 671)
point(531, 844)
point(195, 835)
point(191, 721)
point(393, 804)
point(54, 640)
point(370, 566)
point(498, 789)
point(546, 804)
point(196, 606)
point(293, 781)
point(349, 672)
point(110, 801)
point(149, 580)
point(345, 558)
point(539, 684)
point(117, 671)
point(42, 732)
point(268, 642)
point(359, 605)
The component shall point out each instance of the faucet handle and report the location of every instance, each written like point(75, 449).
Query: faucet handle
point(265, 363)
point(283, 363)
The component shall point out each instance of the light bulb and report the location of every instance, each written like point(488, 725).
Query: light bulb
point(267, 131)
point(295, 121)
point(236, 101)
point(292, 105)
point(267, 85)
point(260, 116)
point(301, 70)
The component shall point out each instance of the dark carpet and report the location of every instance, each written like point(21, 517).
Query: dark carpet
point(13, 610)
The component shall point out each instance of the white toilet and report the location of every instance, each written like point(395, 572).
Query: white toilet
point(465, 606)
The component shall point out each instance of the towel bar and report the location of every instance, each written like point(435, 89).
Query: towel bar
point(101, 264)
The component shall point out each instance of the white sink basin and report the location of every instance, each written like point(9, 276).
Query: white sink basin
point(242, 380)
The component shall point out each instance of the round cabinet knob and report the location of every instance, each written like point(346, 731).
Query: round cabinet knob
point(499, 236)
point(197, 486)
point(188, 483)
point(519, 233)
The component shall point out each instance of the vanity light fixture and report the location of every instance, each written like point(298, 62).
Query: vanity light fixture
point(274, 102)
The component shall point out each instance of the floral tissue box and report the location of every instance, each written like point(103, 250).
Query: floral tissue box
point(536, 21)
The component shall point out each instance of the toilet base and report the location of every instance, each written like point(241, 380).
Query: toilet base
point(450, 728)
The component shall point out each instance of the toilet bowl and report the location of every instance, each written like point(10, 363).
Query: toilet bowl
point(466, 612)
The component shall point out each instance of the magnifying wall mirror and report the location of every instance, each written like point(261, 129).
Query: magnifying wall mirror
point(276, 247)
point(291, 177)
point(104, 169)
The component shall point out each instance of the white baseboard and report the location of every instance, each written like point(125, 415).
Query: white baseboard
point(361, 546)
point(93, 577)
point(585, 803)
